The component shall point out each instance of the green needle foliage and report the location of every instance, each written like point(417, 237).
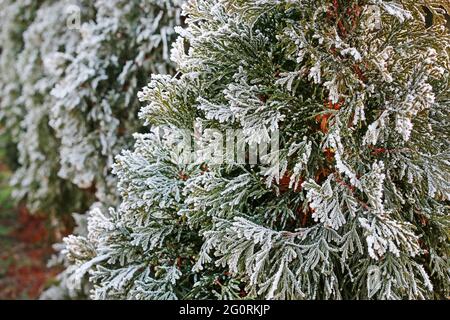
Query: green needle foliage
point(39, 65)
point(359, 92)
point(68, 100)
point(68, 92)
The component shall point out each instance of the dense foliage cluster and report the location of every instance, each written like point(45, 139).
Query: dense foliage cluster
point(357, 207)
point(69, 93)
point(70, 71)
point(350, 202)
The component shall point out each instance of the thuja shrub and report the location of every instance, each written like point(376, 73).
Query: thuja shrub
point(356, 205)
point(70, 73)
point(39, 66)
point(14, 17)
point(68, 99)
point(95, 105)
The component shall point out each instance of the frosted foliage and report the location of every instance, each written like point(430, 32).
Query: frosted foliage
point(69, 101)
point(359, 209)
point(157, 198)
point(34, 41)
point(100, 83)
point(14, 17)
point(69, 96)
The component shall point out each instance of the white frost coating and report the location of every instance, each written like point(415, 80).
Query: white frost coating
point(315, 73)
point(261, 65)
point(352, 52)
